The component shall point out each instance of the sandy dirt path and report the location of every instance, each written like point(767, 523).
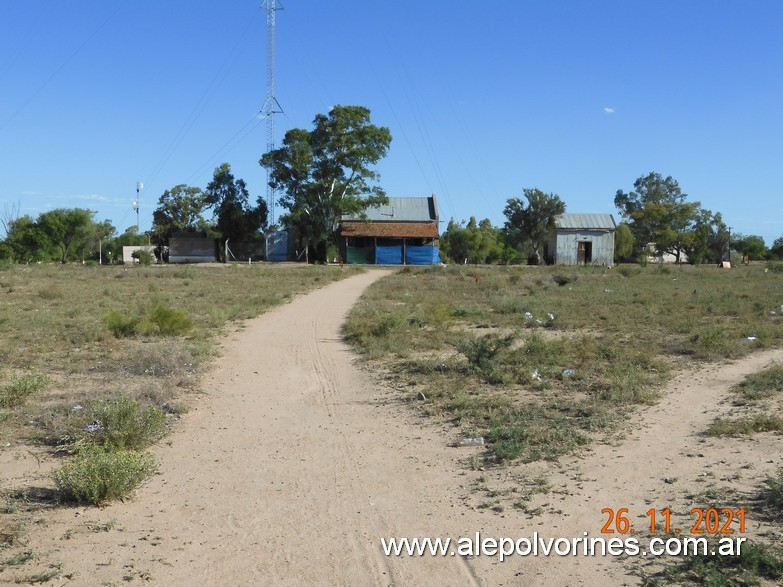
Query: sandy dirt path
point(664, 462)
point(288, 472)
point(296, 463)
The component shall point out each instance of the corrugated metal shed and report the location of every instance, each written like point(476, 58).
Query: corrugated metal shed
point(583, 239)
point(401, 210)
point(585, 222)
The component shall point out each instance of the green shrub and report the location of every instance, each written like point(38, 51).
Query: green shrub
point(160, 320)
point(170, 321)
point(96, 475)
point(121, 326)
point(20, 389)
point(123, 424)
point(482, 352)
point(144, 257)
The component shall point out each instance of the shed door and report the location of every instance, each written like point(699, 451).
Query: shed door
point(584, 253)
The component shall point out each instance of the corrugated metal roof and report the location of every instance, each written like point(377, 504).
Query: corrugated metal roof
point(390, 229)
point(585, 221)
point(402, 210)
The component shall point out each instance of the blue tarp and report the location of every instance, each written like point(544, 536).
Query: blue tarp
point(421, 255)
point(388, 255)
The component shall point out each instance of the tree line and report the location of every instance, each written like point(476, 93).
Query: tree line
point(326, 173)
point(657, 220)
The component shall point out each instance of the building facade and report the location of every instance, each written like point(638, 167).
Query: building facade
point(403, 232)
point(583, 239)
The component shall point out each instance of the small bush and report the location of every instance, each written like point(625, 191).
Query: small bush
point(160, 320)
point(20, 389)
point(144, 257)
point(170, 321)
point(482, 352)
point(96, 476)
point(121, 326)
point(123, 424)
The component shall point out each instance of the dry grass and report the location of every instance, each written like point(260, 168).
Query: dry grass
point(66, 362)
point(541, 360)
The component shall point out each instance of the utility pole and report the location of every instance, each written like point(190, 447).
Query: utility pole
point(271, 105)
point(139, 187)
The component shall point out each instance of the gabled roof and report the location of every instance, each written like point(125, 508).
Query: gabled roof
point(390, 229)
point(401, 210)
point(585, 221)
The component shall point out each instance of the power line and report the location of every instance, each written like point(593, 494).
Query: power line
point(62, 66)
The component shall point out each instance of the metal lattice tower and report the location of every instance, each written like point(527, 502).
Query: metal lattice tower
point(271, 105)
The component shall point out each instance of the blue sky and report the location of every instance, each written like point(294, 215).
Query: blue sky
point(483, 100)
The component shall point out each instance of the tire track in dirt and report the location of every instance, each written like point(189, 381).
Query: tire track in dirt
point(288, 471)
point(663, 460)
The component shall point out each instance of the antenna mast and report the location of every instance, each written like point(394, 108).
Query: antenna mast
point(271, 105)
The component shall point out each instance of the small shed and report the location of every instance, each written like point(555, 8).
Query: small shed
point(127, 253)
point(191, 247)
point(583, 239)
point(403, 232)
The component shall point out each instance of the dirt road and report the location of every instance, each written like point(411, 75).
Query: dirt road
point(296, 463)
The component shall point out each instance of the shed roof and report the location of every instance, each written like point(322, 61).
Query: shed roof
point(585, 221)
point(401, 210)
point(390, 229)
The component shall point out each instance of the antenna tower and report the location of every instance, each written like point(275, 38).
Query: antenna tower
point(271, 105)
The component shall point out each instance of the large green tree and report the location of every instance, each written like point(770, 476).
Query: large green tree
point(68, 229)
point(26, 242)
point(326, 173)
point(534, 222)
point(477, 242)
point(708, 238)
point(776, 250)
point(179, 209)
point(751, 246)
point(235, 218)
point(658, 214)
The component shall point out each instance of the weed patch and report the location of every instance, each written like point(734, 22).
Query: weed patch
point(755, 562)
point(761, 385)
point(536, 432)
point(745, 426)
point(20, 389)
point(774, 492)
